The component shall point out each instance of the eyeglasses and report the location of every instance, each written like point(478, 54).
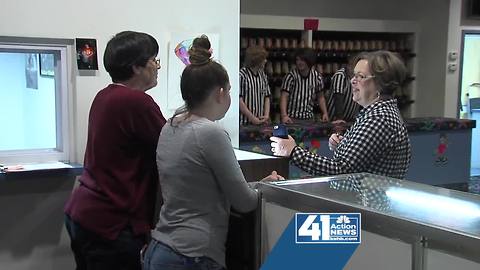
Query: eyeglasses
point(360, 77)
point(157, 62)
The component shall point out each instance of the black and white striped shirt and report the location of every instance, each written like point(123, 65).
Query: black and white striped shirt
point(301, 92)
point(341, 84)
point(377, 143)
point(254, 89)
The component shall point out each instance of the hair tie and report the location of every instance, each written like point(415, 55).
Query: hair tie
point(202, 63)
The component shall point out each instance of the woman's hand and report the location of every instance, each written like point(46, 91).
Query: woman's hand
point(257, 121)
point(334, 140)
point(339, 122)
point(265, 119)
point(282, 147)
point(325, 118)
point(286, 119)
point(273, 177)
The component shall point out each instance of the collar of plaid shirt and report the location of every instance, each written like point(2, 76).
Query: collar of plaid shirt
point(375, 105)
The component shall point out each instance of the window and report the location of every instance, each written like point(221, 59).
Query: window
point(34, 101)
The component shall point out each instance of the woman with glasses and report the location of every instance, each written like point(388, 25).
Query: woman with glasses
point(378, 141)
point(109, 216)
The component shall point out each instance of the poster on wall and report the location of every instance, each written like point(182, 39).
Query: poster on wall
point(86, 54)
point(177, 60)
point(31, 70)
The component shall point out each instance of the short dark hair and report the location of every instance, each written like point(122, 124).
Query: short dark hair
point(202, 76)
point(306, 54)
point(125, 50)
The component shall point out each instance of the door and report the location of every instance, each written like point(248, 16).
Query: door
point(470, 90)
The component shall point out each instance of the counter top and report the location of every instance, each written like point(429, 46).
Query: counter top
point(308, 129)
point(247, 155)
point(42, 170)
point(448, 219)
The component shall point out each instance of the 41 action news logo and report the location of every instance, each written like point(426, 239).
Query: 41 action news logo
point(327, 228)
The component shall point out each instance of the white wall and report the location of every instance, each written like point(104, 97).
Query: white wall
point(431, 16)
point(454, 44)
point(99, 20)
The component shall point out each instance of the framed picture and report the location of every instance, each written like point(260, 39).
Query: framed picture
point(86, 53)
point(46, 64)
point(473, 9)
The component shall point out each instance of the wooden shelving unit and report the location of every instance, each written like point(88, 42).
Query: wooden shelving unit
point(333, 49)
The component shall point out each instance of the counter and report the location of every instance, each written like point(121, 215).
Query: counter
point(256, 166)
point(441, 147)
point(43, 170)
point(413, 226)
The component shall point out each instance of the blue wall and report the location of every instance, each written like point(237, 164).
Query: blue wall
point(426, 165)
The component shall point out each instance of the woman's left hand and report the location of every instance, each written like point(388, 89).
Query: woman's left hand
point(325, 118)
point(274, 176)
point(282, 147)
point(266, 119)
point(334, 140)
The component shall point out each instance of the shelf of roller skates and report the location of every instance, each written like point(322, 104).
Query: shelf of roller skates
point(344, 44)
point(333, 49)
point(280, 44)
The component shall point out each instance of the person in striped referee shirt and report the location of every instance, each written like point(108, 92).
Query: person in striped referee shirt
point(340, 104)
point(300, 87)
point(254, 89)
point(378, 141)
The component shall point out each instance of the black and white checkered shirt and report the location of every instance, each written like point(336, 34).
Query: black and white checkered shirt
point(254, 89)
point(377, 143)
point(301, 92)
point(341, 85)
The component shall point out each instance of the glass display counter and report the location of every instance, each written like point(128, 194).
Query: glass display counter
point(405, 225)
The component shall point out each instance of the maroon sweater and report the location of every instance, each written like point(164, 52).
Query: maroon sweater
point(119, 183)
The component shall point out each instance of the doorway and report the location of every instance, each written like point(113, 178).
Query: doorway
point(469, 99)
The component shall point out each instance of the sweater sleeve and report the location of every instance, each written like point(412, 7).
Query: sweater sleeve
point(219, 154)
point(367, 142)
